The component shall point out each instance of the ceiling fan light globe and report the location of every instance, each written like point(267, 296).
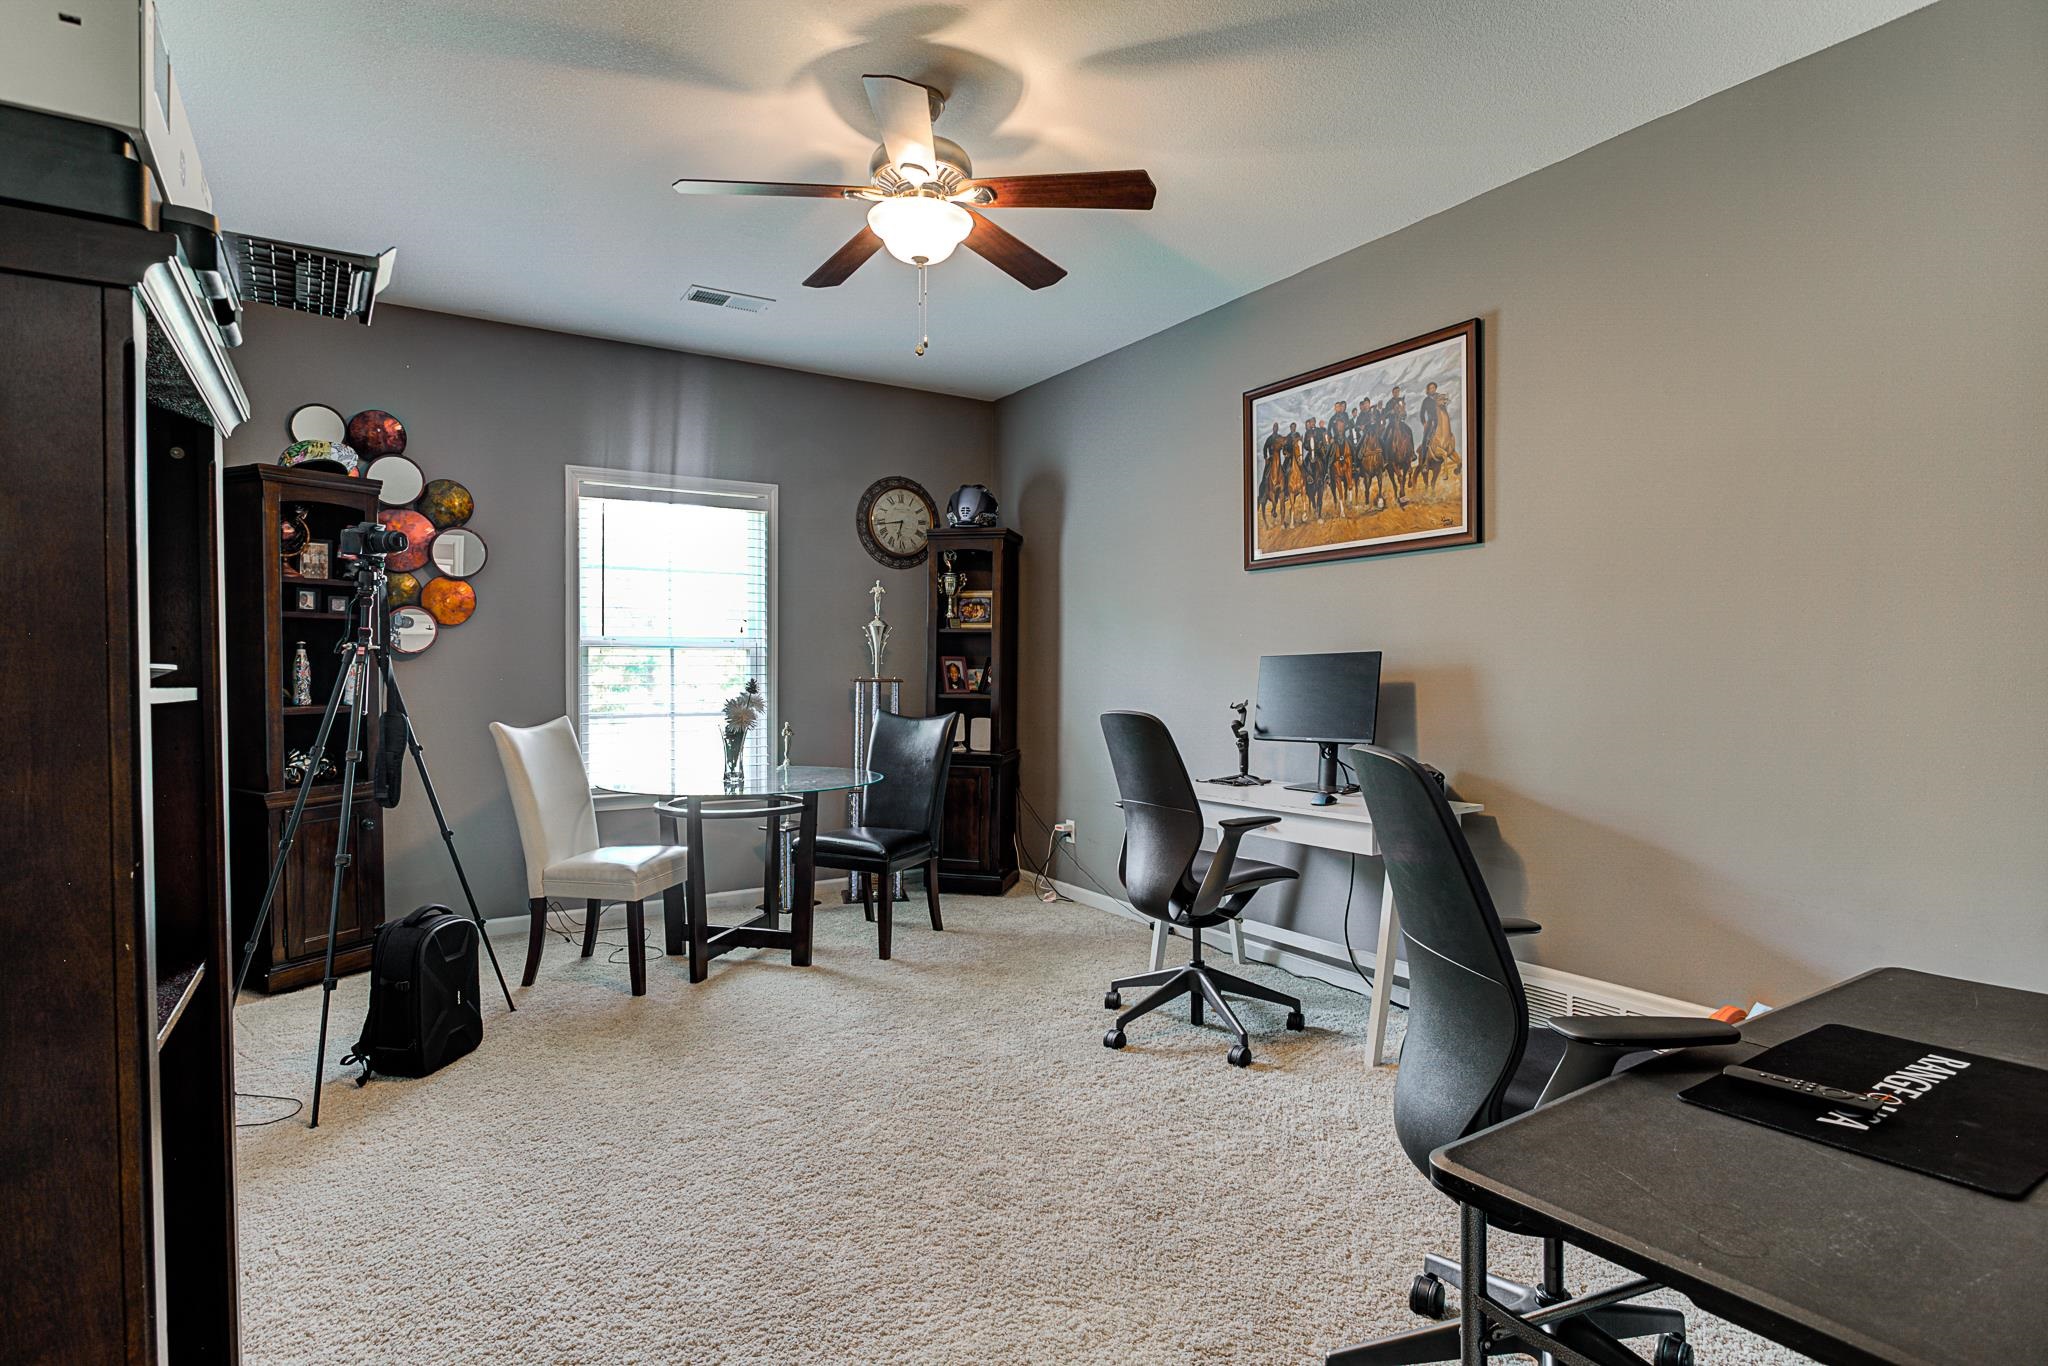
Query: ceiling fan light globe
point(919, 229)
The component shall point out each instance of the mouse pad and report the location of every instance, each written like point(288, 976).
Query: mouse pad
point(1962, 1117)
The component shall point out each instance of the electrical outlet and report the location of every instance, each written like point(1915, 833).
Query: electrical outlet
point(1065, 831)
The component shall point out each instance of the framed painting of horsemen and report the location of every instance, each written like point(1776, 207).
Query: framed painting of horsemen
point(1371, 456)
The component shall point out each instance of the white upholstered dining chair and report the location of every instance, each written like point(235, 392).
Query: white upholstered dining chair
point(558, 833)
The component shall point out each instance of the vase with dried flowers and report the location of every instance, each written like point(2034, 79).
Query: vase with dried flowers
point(742, 710)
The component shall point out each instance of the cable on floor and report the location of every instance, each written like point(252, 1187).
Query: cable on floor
point(1369, 978)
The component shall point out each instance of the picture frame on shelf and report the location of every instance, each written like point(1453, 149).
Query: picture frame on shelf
point(977, 680)
point(306, 600)
point(953, 674)
point(315, 559)
point(337, 602)
point(977, 608)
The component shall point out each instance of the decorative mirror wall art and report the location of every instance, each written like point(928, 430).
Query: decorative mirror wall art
point(429, 586)
point(400, 478)
point(418, 530)
point(375, 432)
point(447, 503)
point(412, 631)
point(449, 601)
point(459, 551)
point(317, 422)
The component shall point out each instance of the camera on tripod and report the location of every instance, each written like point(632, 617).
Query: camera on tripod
point(366, 540)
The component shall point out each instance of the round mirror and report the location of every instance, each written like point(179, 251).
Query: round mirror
point(317, 422)
point(412, 630)
point(401, 479)
point(458, 551)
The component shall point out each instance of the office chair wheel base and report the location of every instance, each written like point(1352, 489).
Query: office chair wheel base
point(1240, 1056)
point(1113, 1039)
point(1673, 1350)
point(1426, 1296)
point(1112, 1001)
point(1295, 1022)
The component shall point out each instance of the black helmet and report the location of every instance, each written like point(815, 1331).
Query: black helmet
point(971, 505)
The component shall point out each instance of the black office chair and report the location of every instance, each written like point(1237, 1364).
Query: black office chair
point(1469, 1062)
point(900, 816)
point(1171, 878)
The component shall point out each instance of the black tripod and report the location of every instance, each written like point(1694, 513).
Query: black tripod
point(366, 617)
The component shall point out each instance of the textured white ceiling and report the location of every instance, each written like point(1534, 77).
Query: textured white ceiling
point(519, 152)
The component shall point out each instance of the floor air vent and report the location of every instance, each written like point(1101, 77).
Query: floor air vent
point(726, 298)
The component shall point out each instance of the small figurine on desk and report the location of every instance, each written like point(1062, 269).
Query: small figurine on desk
point(1243, 777)
point(785, 744)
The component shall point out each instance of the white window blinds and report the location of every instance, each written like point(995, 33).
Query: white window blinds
point(672, 596)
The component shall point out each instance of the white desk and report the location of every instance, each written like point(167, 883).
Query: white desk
point(1343, 826)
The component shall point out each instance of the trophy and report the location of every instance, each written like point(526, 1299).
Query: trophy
point(950, 584)
point(785, 744)
point(876, 632)
point(1243, 777)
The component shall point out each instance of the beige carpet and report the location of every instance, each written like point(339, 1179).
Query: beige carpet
point(927, 1160)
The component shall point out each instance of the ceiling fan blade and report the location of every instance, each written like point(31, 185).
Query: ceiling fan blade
point(795, 191)
point(1081, 190)
point(903, 116)
point(1011, 256)
point(845, 261)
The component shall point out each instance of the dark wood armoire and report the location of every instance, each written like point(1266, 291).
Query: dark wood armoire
point(117, 1113)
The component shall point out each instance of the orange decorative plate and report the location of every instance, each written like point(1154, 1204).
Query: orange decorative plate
point(449, 601)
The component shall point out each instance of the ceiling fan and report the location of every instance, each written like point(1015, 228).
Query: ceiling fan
point(924, 199)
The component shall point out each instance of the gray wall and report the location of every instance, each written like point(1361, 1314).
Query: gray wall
point(1749, 672)
point(503, 409)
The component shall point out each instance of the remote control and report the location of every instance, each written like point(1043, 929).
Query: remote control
point(1832, 1095)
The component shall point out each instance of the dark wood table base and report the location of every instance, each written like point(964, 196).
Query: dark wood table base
point(686, 922)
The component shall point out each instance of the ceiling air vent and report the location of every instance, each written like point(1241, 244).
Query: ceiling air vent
point(726, 298)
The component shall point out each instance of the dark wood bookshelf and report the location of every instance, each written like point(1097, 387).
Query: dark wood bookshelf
point(263, 729)
point(980, 844)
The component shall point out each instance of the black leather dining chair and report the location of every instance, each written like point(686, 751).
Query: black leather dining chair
point(1170, 877)
point(901, 816)
point(1469, 1061)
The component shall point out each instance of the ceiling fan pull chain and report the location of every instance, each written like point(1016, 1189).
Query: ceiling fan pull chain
point(923, 330)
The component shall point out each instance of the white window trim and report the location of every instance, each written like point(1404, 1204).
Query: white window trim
point(771, 494)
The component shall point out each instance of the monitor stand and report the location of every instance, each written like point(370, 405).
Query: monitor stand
point(1326, 787)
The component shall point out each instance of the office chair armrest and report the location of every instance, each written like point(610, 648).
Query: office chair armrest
point(1234, 829)
point(1594, 1044)
point(1519, 924)
point(1243, 823)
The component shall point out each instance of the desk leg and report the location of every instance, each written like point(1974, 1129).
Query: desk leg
point(771, 874)
point(804, 874)
point(1472, 1271)
point(1383, 974)
point(700, 960)
point(675, 903)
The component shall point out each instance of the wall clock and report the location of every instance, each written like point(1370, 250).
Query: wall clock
point(895, 521)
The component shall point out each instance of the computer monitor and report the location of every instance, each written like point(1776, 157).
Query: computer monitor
point(1324, 700)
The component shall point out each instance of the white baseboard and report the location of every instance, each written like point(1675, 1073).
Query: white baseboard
point(1551, 991)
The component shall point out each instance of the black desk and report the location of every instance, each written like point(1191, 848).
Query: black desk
point(1836, 1256)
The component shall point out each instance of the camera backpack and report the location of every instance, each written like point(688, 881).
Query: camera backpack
point(424, 1008)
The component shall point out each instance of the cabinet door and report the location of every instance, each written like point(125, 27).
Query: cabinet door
point(969, 827)
point(309, 878)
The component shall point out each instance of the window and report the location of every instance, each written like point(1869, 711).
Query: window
point(671, 607)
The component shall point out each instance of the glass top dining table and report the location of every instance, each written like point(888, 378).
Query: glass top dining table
point(776, 794)
point(755, 780)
